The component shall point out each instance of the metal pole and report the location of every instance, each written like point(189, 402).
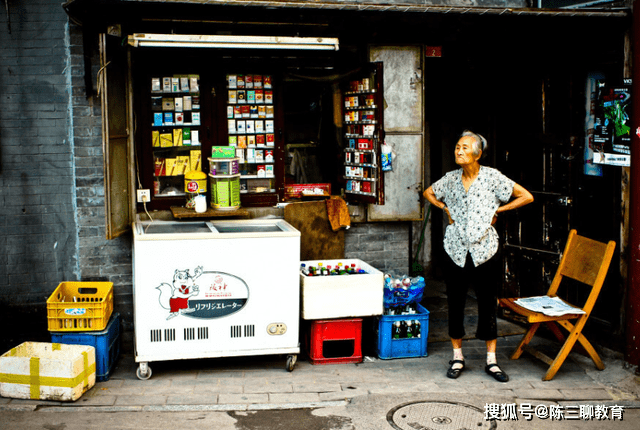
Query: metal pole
point(632, 311)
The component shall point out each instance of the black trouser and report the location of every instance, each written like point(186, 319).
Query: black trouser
point(484, 280)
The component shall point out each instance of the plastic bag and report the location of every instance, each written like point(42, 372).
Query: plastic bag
point(402, 291)
point(387, 157)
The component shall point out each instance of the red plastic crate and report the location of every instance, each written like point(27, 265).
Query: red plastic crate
point(335, 341)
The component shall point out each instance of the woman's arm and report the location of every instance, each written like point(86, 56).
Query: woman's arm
point(431, 197)
point(522, 197)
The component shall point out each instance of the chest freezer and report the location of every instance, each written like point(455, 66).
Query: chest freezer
point(215, 289)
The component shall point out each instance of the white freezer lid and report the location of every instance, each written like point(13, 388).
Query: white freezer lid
point(219, 229)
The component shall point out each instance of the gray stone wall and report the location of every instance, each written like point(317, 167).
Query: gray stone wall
point(385, 246)
point(39, 240)
point(99, 259)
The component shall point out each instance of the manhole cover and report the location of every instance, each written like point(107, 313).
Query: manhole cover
point(438, 416)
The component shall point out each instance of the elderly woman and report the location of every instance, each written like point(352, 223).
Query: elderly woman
point(472, 197)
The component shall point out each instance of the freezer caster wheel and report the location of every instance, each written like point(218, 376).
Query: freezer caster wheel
point(143, 372)
point(291, 362)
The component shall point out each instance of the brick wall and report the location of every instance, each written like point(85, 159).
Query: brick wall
point(38, 244)
point(98, 258)
point(385, 246)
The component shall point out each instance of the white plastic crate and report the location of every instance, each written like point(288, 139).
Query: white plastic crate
point(47, 371)
point(341, 296)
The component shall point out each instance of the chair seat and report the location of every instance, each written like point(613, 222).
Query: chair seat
point(532, 316)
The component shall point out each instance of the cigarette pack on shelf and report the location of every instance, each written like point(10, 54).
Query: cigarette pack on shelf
point(80, 306)
point(335, 341)
point(401, 336)
point(106, 343)
point(341, 296)
point(47, 371)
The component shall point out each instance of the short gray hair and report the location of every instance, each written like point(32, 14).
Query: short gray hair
point(479, 142)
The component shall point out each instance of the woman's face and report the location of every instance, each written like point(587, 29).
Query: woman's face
point(464, 152)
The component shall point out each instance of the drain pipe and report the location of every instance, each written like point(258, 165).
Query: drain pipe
point(632, 311)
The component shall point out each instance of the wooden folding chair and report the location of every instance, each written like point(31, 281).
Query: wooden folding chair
point(586, 261)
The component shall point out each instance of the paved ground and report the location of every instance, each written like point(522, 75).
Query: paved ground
point(258, 393)
point(255, 383)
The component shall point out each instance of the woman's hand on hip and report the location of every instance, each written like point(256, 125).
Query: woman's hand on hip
point(446, 210)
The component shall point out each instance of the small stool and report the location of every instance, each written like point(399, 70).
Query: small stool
point(335, 341)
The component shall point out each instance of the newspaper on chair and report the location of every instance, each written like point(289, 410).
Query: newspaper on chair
point(550, 306)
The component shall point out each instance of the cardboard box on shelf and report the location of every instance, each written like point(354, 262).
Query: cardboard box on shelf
point(293, 191)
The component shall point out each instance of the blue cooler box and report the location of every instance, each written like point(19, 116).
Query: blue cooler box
point(403, 348)
point(106, 343)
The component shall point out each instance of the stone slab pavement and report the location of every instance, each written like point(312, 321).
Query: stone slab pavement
point(263, 383)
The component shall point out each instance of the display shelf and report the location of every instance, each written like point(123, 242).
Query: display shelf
point(361, 193)
point(359, 136)
point(176, 119)
point(251, 129)
point(271, 190)
point(370, 151)
point(372, 107)
point(361, 164)
point(360, 93)
point(364, 131)
point(256, 177)
point(359, 178)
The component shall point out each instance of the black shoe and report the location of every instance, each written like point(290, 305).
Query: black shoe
point(499, 375)
point(454, 373)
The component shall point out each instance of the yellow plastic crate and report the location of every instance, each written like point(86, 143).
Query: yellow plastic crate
point(80, 306)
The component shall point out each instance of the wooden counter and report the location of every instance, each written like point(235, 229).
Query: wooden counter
point(184, 213)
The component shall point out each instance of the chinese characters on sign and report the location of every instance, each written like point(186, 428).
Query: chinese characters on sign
point(511, 411)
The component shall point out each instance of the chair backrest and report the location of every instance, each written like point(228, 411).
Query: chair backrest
point(585, 260)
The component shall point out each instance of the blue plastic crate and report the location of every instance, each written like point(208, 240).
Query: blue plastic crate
point(106, 343)
point(402, 348)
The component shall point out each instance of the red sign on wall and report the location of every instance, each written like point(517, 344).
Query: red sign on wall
point(433, 51)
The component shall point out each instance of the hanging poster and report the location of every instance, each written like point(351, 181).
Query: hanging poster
point(612, 131)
